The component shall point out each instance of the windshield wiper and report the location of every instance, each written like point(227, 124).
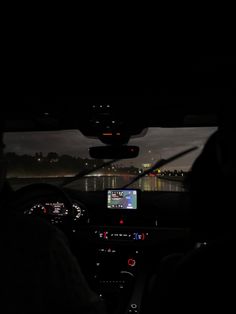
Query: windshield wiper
point(85, 172)
point(160, 163)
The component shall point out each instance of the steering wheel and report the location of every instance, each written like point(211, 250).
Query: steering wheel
point(44, 200)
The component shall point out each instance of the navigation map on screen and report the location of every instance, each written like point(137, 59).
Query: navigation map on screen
point(122, 199)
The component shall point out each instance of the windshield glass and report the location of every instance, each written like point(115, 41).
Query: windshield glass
point(53, 156)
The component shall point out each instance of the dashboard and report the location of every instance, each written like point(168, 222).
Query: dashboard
point(117, 235)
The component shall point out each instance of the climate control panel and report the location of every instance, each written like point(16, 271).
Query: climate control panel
point(113, 234)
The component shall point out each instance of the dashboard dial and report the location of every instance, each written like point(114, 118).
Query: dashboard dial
point(78, 210)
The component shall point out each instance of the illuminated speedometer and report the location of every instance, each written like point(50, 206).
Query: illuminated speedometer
point(78, 211)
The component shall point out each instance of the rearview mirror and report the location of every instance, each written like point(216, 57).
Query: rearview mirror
point(114, 152)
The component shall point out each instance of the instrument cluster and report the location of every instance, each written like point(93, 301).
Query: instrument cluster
point(56, 210)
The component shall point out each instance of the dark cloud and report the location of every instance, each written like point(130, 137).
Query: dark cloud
point(164, 143)
point(63, 142)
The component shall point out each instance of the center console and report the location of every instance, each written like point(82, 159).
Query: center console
point(121, 239)
point(115, 274)
point(119, 253)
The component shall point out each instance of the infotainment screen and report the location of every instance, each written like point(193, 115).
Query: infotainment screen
point(122, 199)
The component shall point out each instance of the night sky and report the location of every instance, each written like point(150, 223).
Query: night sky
point(157, 143)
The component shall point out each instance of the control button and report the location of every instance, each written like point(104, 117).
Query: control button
point(140, 236)
point(131, 262)
point(133, 306)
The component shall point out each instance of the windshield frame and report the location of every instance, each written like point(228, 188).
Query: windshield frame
point(152, 139)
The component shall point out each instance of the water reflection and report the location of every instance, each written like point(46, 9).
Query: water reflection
point(145, 184)
point(101, 183)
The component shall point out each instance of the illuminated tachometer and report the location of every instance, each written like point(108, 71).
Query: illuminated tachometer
point(48, 209)
point(37, 209)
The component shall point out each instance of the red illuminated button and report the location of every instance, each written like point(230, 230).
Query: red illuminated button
point(121, 221)
point(131, 262)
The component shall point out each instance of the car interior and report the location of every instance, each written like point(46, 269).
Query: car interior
point(104, 165)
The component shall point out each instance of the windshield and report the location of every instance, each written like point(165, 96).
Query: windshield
point(53, 156)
